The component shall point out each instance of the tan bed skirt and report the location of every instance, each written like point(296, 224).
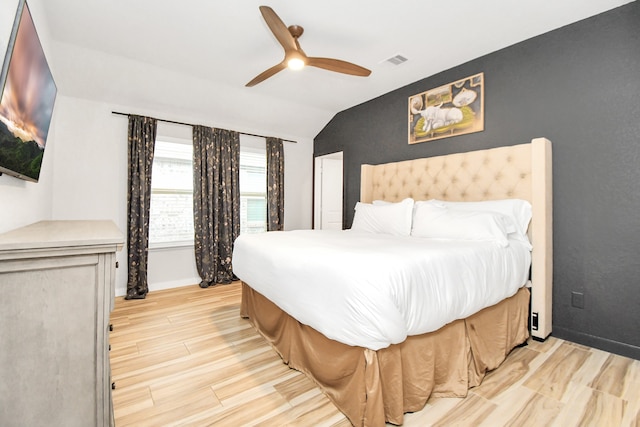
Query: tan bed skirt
point(371, 387)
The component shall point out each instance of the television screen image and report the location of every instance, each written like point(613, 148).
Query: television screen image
point(27, 101)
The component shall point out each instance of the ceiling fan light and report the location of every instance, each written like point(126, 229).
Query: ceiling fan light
point(295, 64)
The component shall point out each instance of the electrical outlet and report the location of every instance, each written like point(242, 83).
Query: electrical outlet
point(577, 299)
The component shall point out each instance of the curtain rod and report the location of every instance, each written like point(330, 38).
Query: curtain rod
point(188, 124)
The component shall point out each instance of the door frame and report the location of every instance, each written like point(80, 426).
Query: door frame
point(317, 186)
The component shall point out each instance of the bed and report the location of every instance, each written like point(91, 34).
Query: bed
point(390, 372)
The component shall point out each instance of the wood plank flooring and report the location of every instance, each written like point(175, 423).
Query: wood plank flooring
point(184, 357)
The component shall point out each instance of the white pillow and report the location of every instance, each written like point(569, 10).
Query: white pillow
point(440, 222)
point(517, 209)
point(388, 218)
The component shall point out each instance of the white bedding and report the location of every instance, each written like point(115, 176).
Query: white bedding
point(374, 290)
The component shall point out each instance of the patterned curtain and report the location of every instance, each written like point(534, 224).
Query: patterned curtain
point(275, 184)
point(142, 137)
point(216, 202)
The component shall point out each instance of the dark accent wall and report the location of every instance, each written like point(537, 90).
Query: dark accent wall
point(578, 86)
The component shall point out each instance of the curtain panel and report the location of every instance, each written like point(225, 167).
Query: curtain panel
point(216, 202)
point(275, 184)
point(142, 137)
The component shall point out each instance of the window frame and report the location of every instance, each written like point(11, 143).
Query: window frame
point(254, 145)
point(159, 245)
point(247, 145)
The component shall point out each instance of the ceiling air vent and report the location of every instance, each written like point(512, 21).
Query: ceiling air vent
point(396, 60)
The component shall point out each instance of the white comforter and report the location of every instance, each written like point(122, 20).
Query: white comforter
point(373, 290)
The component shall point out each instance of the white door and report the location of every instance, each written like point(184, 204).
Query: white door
point(329, 192)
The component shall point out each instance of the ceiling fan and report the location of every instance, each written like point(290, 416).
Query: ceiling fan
point(294, 56)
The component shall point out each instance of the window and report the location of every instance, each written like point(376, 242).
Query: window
point(253, 190)
point(171, 214)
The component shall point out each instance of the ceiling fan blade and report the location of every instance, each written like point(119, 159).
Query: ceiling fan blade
point(339, 66)
point(278, 28)
point(266, 74)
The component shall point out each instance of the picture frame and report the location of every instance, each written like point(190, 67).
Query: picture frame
point(450, 110)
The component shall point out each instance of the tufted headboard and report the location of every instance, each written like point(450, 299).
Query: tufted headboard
point(520, 171)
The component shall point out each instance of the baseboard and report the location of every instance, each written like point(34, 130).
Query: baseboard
point(159, 286)
point(611, 346)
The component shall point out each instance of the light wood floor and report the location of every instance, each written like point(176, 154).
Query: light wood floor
point(185, 357)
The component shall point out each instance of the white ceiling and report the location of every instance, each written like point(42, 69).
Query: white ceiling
point(190, 59)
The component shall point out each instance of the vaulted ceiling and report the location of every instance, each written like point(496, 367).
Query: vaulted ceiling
point(192, 58)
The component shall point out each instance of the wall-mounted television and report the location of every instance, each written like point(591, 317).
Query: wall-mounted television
point(26, 105)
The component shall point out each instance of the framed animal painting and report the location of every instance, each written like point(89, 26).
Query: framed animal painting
point(450, 110)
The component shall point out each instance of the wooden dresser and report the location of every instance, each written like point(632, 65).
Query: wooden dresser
point(57, 281)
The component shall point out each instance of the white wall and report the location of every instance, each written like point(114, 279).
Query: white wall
point(169, 268)
point(90, 167)
point(298, 185)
